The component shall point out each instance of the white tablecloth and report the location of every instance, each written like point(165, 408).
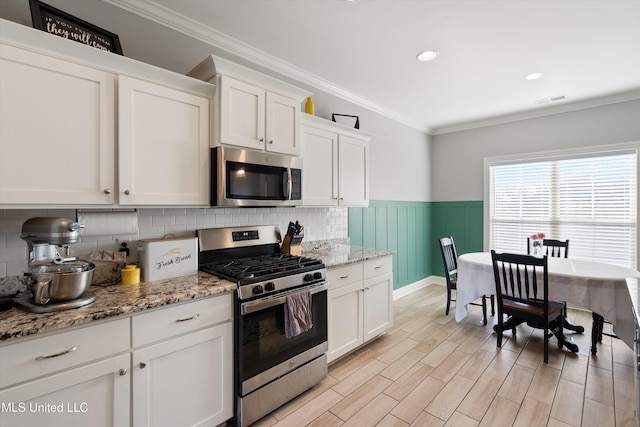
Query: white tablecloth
point(595, 286)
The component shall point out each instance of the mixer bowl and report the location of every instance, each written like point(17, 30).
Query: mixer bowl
point(58, 287)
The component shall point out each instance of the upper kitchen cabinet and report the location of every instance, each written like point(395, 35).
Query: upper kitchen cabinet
point(163, 145)
point(57, 140)
point(336, 164)
point(83, 127)
point(251, 109)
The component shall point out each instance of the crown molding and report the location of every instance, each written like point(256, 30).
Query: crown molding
point(154, 12)
point(539, 112)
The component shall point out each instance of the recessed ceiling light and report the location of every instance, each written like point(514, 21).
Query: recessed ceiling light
point(427, 55)
point(533, 76)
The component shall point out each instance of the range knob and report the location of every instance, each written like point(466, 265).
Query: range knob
point(307, 278)
point(258, 290)
point(317, 275)
point(270, 286)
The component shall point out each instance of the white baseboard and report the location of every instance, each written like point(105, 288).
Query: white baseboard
point(412, 287)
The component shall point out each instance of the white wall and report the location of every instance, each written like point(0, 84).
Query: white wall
point(457, 158)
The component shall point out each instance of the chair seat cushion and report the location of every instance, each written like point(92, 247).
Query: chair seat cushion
point(537, 310)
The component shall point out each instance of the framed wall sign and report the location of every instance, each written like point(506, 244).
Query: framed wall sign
point(346, 119)
point(59, 23)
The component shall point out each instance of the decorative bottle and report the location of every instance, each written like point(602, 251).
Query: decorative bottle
point(309, 107)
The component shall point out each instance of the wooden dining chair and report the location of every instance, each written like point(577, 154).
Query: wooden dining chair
point(522, 284)
point(552, 247)
point(450, 262)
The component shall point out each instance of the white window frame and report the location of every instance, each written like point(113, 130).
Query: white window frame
point(581, 152)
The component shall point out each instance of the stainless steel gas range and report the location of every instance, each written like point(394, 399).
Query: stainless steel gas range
point(272, 364)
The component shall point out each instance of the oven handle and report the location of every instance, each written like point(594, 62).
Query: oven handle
point(278, 299)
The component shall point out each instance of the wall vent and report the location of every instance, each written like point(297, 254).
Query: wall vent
point(548, 100)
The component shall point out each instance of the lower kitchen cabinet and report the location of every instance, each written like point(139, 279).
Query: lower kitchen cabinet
point(92, 395)
point(360, 304)
point(78, 377)
point(170, 366)
point(184, 381)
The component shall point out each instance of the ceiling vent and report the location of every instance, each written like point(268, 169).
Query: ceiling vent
point(549, 100)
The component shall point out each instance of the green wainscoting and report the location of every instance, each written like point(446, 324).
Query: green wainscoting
point(412, 230)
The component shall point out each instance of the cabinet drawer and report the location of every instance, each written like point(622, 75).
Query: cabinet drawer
point(378, 266)
point(167, 322)
point(41, 356)
point(343, 276)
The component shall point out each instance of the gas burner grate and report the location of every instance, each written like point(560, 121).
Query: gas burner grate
point(261, 267)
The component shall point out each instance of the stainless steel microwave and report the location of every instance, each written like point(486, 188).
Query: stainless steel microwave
point(245, 177)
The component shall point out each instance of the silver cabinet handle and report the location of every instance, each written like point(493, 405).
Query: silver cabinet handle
point(271, 142)
point(377, 267)
point(195, 316)
point(127, 192)
point(142, 365)
point(62, 353)
point(107, 191)
point(122, 372)
point(261, 140)
point(344, 277)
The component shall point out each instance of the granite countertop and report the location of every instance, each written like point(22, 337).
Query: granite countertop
point(117, 300)
point(338, 255)
point(111, 301)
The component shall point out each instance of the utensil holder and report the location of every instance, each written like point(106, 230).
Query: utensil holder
point(291, 245)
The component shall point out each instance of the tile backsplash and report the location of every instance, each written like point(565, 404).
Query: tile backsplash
point(319, 224)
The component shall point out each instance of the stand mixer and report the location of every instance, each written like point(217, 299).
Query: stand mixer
point(57, 281)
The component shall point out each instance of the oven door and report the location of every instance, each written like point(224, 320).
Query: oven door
point(243, 177)
point(263, 353)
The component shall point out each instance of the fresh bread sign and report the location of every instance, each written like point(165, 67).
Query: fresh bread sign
point(167, 258)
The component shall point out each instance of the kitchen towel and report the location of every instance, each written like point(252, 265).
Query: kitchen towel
point(108, 223)
point(297, 313)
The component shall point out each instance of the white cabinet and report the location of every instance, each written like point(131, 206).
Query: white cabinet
point(336, 164)
point(360, 304)
point(166, 367)
point(255, 118)
point(69, 138)
point(57, 142)
point(163, 145)
point(251, 109)
point(74, 378)
point(184, 379)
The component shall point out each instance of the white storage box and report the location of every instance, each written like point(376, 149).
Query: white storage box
point(166, 258)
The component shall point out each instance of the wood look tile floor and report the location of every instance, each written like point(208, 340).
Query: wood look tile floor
point(429, 370)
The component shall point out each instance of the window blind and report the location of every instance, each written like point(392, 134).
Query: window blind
point(590, 200)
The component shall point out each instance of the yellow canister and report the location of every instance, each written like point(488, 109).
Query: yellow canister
point(130, 275)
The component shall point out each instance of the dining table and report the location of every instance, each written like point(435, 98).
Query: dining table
point(596, 286)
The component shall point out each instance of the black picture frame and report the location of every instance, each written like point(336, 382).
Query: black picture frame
point(59, 23)
point(357, 123)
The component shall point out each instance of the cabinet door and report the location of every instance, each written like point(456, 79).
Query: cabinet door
point(282, 124)
point(242, 114)
point(345, 320)
point(320, 162)
point(185, 381)
point(378, 305)
point(93, 395)
point(163, 147)
point(57, 142)
point(353, 172)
